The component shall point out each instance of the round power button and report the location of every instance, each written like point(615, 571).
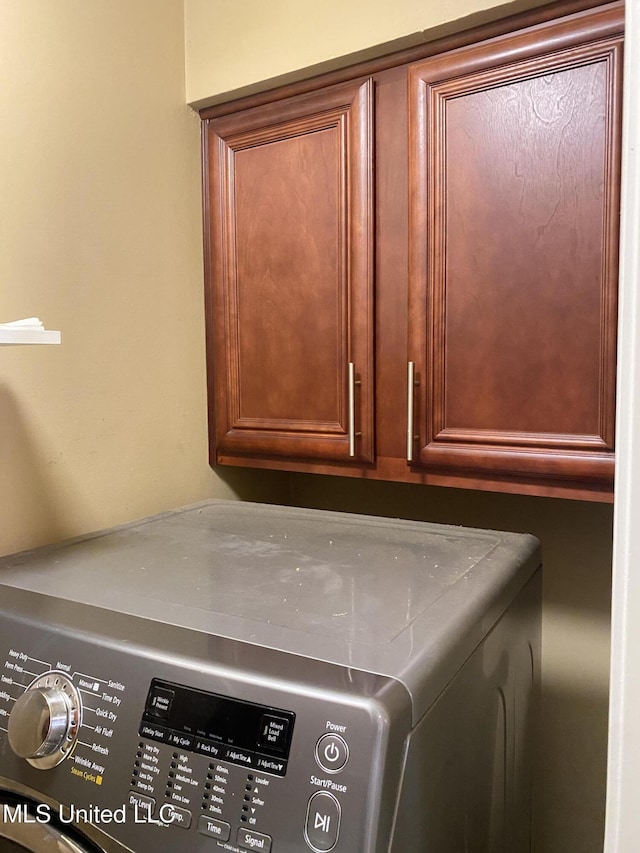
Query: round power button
point(332, 753)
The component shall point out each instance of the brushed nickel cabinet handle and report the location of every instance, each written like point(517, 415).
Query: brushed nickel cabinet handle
point(352, 408)
point(411, 381)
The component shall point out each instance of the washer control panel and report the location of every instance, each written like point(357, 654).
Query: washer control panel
point(174, 754)
point(217, 764)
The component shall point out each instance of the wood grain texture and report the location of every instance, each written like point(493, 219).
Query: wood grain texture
point(513, 268)
point(391, 261)
point(290, 301)
point(289, 274)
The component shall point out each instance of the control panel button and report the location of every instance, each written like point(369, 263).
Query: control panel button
point(154, 732)
point(322, 826)
point(141, 805)
point(332, 753)
point(275, 766)
point(159, 702)
point(274, 732)
point(174, 815)
point(182, 741)
point(208, 747)
point(238, 756)
point(250, 840)
point(214, 828)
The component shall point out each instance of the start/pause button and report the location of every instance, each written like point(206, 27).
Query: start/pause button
point(322, 826)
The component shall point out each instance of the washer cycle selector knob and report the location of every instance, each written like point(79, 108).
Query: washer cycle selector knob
point(332, 753)
point(44, 722)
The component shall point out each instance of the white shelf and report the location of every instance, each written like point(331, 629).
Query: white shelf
point(29, 331)
point(11, 337)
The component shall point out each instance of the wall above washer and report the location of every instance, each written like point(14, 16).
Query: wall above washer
point(234, 49)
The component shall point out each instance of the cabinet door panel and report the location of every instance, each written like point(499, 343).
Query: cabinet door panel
point(290, 276)
point(514, 194)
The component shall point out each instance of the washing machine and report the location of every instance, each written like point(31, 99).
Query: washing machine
point(240, 677)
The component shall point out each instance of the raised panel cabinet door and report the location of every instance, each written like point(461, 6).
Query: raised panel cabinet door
point(289, 276)
point(514, 186)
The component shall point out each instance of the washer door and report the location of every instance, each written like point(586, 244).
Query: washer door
point(20, 832)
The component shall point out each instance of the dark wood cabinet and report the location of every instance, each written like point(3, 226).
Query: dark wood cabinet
point(437, 235)
point(290, 224)
point(513, 261)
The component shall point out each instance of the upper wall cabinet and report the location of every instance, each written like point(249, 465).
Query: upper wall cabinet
point(513, 253)
point(439, 234)
point(290, 307)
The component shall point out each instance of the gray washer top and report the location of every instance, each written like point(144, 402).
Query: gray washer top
point(397, 598)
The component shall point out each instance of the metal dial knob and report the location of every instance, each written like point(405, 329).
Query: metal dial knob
point(44, 722)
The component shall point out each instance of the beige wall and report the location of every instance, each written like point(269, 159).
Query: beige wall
point(236, 47)
point(100, 236)
point(243, 46)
